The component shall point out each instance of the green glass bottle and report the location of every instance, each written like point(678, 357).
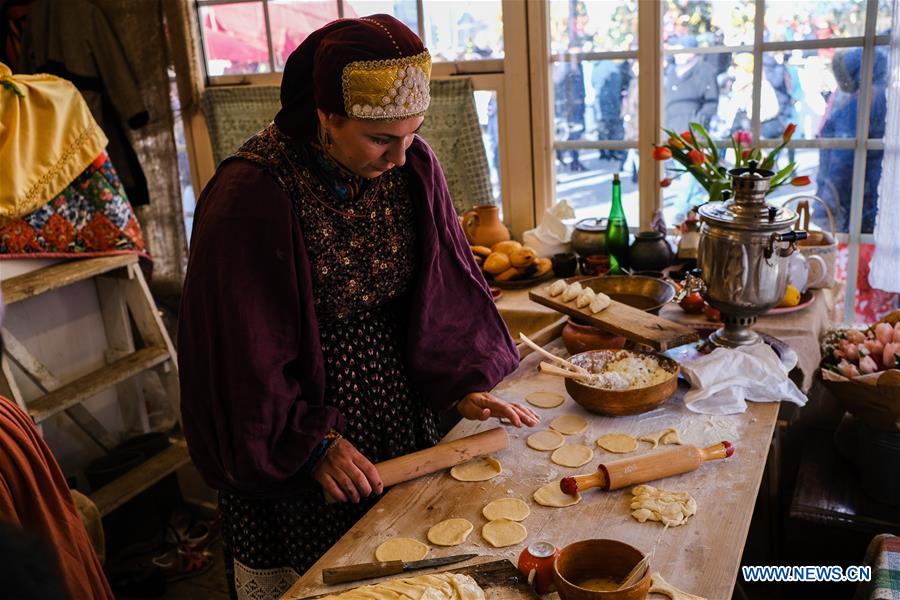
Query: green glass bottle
point(617, 231)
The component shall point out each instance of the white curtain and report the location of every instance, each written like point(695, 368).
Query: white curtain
point(884, 274)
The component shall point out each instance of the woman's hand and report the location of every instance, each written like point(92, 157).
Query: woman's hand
point(347, 475)
point(480, 406)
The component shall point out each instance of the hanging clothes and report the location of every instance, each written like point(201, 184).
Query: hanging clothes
point(73, 39)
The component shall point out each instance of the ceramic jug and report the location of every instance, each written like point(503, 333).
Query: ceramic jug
point(483, 227)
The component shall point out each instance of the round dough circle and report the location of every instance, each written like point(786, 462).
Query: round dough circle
point(545, 399)
point(503, 532)
point(478, 469)
point(552, 495)
point(569, 424)
point(506, 508)
point(619, 443)
point(545, 440)
point(573, 455)
point(405, 549)
point(450, 532)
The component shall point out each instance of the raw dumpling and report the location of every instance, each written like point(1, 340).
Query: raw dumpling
point(573, 291)
point(598, 303)
point(586, 297)
point(558, 287)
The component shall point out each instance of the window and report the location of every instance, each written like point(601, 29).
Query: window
point(732, 65)
point(248, 41)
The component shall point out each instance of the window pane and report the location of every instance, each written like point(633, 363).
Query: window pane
point(715, 90)
point(885, 11)
point(486, 105)
point(704, 23)
point(814, 19)
point(463, 30)
point(800, 87)
point(292, 20)
point(589, 188)
point(870, 304)
point(403, 10)
point(593, 25)
point(234, 38)
point(595, 100)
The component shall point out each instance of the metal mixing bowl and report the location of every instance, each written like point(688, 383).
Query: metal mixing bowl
point(646, 293)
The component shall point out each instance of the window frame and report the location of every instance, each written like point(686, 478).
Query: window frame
point(507, 76)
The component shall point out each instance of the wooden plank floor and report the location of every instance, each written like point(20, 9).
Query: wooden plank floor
point(701, 557)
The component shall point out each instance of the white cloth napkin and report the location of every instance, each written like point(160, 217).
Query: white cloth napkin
point(723, 380)
point(552, 235)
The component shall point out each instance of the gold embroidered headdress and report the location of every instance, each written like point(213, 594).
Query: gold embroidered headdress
point(372, 68)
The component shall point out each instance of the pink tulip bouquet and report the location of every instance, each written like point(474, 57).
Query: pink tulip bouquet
point(861, 368)
point(695, 153)
point(856, 352)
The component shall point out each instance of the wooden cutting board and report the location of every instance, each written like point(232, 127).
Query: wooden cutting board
point(631, 323)
point(499, 579)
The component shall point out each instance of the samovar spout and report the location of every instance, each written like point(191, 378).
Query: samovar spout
point(790, 237)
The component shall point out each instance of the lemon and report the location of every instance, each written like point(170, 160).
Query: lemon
point(791, 297)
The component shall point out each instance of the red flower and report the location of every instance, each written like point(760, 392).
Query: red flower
point(687, 136)
point(746, 154)
point(789, 132)
point(665, 182)
point(743, 137)
point(696, 157)
point(661, 153)
point(675, 143)
point(800, 181)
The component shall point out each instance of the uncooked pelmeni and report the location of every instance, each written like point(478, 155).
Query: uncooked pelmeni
point(598, 303)
point(583, 300)
point(572, 292)
point(477, 469)
point(619, 443)
point(572, 455)
point(451, 532)
point(557, 287)
point(569, 424)
point(545, 399)
point(654, 504)
point(506, 508)
point(672, 437)
point(405, 549)
point(666, 436)
point(551, 495)
point(545, 440)
point(503, 532)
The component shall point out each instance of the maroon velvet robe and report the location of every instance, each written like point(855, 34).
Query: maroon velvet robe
point(252, 372)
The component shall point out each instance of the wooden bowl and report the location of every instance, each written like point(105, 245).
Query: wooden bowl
point(598, 558)
point(617, 403)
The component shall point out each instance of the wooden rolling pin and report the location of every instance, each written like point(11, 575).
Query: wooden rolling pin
point(646, 467)
point(444, 455)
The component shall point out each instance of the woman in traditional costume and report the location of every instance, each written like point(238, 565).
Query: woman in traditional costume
point(332, 308)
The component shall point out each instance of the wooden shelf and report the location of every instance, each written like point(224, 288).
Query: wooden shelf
point(119, 491)
point(60, 275)
point(84, 387)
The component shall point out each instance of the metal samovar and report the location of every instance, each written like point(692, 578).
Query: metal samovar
point(743, 255)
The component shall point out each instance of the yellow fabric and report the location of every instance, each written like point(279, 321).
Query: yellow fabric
point(47, 137)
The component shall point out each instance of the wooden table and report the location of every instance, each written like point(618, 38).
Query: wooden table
point(701, 557)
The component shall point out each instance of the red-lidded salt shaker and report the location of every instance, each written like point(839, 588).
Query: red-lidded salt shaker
point(536, 562)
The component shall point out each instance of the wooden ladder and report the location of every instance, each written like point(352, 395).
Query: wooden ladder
point(122, 291)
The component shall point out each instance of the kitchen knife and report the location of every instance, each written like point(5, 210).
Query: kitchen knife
point(380, 569)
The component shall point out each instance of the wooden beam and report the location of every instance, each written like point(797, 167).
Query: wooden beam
point(60, 275)
point(84, 387)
